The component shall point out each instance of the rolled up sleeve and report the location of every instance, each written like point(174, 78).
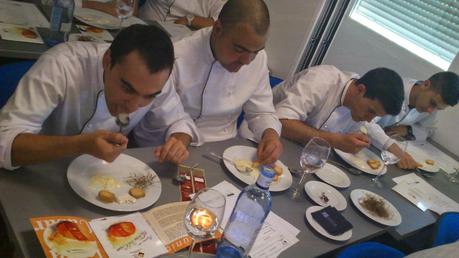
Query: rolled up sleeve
point(378, 137)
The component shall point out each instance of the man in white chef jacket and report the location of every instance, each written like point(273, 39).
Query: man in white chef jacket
point(423, 99)
point(196, 14)
point(332, 104)
point(66, 104)
point(221, 71)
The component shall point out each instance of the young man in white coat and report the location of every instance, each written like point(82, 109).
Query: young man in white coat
point(67, 103)
point(423, 99)
point(332, 104)
point(221, 71)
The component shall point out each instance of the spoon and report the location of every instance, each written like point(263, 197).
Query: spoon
point(243, 168)
point(122, 120)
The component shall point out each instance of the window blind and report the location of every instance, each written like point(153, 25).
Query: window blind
point(428, 28)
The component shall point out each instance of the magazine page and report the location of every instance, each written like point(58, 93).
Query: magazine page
point(167, 221)
point(66, 236)
point(127, 236)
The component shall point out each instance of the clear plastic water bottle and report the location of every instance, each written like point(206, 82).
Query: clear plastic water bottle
point(61, 19)
point(246, 220)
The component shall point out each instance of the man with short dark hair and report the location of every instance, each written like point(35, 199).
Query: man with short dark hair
point(221, 71)
point(67, 103)
point(423, 99)
point(323, 101)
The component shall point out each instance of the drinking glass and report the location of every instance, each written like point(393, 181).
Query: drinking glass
point(313, 156)
point(203, 215)
point(453, 177)
point(389, 159)
point(124, 9)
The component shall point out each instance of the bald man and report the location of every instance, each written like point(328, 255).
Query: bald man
point(221, 71)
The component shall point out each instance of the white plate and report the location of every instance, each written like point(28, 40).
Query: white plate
point(429, 168)
point(343, 237)
point(334, 176)
point(83, 168)
point(359, 160)
point(103, 20)
point(394, 218)
point(250, 153)
point(315, 189)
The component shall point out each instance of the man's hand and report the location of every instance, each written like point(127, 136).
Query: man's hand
point(407, 162)
point(352, 142)
point(270, 148)
point(103, 144)
point(175, 149)
point(182, 21)
point(400, 131)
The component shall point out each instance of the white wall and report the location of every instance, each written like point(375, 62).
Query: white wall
point(291, 24)
point(358, 49)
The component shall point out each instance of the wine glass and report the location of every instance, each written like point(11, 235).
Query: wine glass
point(124, 9)
point(389, 159)
point(313, 156)
point(203, 215)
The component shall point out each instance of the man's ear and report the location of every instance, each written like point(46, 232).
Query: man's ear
point(107, 60)
point(427, 84)
point(361, 88)
point(217, 29)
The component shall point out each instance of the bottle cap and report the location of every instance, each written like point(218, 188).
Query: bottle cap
point(227, 252)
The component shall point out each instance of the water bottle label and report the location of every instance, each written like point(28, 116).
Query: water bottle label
point(55, 19)
point(266, 177)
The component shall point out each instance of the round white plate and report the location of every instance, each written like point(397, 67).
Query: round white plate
point(429, 168)
point(334, 176)
point(394, 218)
point(315, 189)
point(103, 20)
point(343, 237)
point(250, 153)
point(359, 160)
point(83, 168)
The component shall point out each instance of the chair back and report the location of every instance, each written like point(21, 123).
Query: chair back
point(447, 229)
point(370, 249)
point(10, 74)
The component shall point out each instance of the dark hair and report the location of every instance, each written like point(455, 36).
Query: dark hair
point(386, 86)
point(447, 84)
point(253, 12)
point(152, 43)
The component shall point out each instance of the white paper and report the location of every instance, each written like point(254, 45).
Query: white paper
point(276, 234)
point(21, 13)
point(424, 195)
point(145, 241)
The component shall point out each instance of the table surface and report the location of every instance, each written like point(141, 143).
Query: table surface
point(43, 190)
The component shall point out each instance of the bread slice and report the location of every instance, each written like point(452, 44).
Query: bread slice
point(374, 163)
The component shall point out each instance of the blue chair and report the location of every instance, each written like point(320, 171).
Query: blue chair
point(447, 229)
point(10, 74)
point(370, 250)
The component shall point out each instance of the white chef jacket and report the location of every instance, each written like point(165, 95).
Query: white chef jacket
point(214, 97)
point(170, 10)
point(423, 124)
point(315, 96)
point(63, 94)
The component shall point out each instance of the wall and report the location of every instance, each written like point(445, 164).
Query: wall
point(291, 25)
point(356, 48)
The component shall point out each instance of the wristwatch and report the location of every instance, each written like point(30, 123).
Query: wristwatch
point(189, 19)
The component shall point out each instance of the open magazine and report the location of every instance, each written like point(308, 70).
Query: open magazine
point(157, 231)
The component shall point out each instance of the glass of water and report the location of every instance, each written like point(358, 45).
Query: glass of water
point(389, 159)
point(313, 157)
point(203, 215)
point(124, 9)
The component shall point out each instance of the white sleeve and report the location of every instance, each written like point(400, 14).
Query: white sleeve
point(165, 117)
point(378, 137)
point(36, 96)
point(215, 8)
point(303, 93)
point(259, 109)
point(425, 128)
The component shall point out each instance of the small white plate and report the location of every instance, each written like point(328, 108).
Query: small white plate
point(83, 168)
point(343, 237)
point(359, 161)
point(394, 218)
point(97, 18)
point(429, 168)
point(316, 190)
point(334, 176)
point(250, 153)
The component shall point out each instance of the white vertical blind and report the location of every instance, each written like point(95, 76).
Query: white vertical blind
point(428, 28)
